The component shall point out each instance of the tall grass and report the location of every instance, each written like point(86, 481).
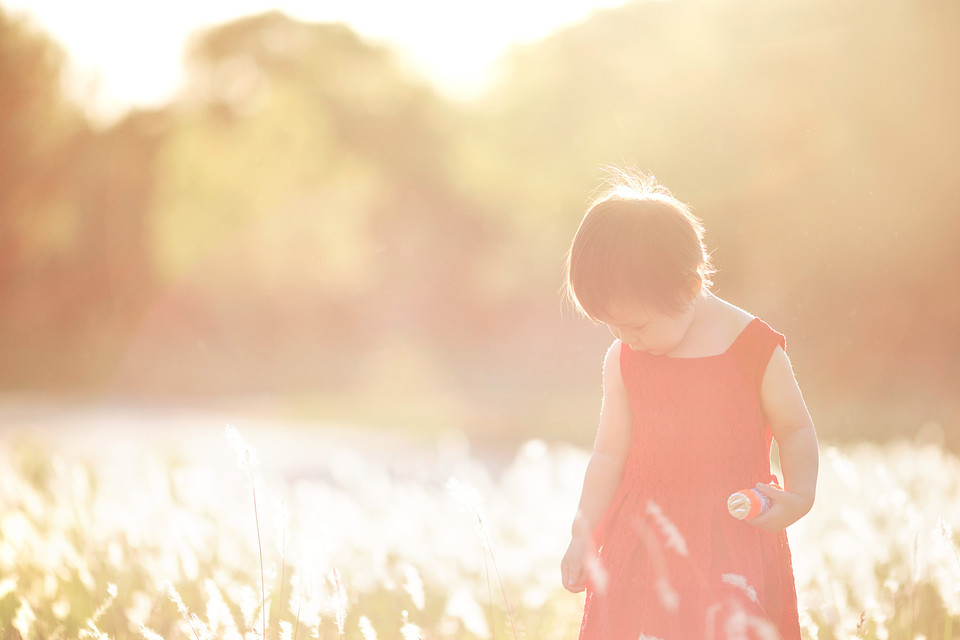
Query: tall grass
point(161, 545)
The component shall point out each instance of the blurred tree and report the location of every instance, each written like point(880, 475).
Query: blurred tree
point(34, 122)
point(304, 122)
point(308, 215)
point(74, 270)
point(36, 229)
point(304, 208)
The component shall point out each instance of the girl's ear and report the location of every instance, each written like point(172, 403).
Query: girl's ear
point(696, 285)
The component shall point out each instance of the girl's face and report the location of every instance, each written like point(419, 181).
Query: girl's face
point(643, 329)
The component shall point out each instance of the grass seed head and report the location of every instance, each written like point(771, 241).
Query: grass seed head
point(409, 631)
point(470, 500)
point(149, 634)
point(413, 585)
point(24, 619)
point(740, 582)
point(366, 629)
point(668, 530)
point(246, 455)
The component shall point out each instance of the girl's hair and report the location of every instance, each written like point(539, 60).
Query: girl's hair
point(636, 242)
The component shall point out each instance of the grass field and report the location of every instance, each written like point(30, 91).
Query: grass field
point(143, 541)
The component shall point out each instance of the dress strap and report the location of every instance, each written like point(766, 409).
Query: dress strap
point(755, 346)
point(765, 337)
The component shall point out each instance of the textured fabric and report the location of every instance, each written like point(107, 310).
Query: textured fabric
point(677, 565)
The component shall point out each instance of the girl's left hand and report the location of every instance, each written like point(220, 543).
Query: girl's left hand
point(785, 508)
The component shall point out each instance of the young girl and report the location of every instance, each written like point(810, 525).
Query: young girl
point(694, 389)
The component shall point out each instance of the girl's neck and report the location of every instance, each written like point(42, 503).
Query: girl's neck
point(696, 312)
point(701, 335)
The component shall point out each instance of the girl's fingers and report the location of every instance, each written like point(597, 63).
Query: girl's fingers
point(768, 490)
point(571, 577)
point(786, 509)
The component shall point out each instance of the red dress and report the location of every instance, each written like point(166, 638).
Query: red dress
point(674, 564)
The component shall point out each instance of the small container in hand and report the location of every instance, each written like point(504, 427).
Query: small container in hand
point(748, 503)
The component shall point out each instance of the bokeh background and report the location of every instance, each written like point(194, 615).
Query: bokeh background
point(330, 231)
point(311, 227)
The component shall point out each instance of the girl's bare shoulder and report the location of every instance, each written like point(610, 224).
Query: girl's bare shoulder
point(727, 320)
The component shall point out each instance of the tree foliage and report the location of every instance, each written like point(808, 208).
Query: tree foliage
point(309, 215)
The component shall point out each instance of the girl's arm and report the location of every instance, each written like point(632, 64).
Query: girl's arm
point(793, 429)
point(604, 471)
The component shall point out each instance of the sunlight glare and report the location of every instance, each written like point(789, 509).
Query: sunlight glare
point(124, 54)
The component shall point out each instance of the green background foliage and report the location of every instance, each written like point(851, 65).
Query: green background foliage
point(310, 221)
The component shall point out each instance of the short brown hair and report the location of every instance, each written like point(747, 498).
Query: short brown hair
point(636, 240)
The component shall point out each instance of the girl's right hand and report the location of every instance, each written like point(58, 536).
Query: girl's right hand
point(573, 567)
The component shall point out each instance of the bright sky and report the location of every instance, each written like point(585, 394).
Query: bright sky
point(129, 53)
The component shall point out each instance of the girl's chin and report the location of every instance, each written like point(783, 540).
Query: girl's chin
point(659, 352)
point(653, 352)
